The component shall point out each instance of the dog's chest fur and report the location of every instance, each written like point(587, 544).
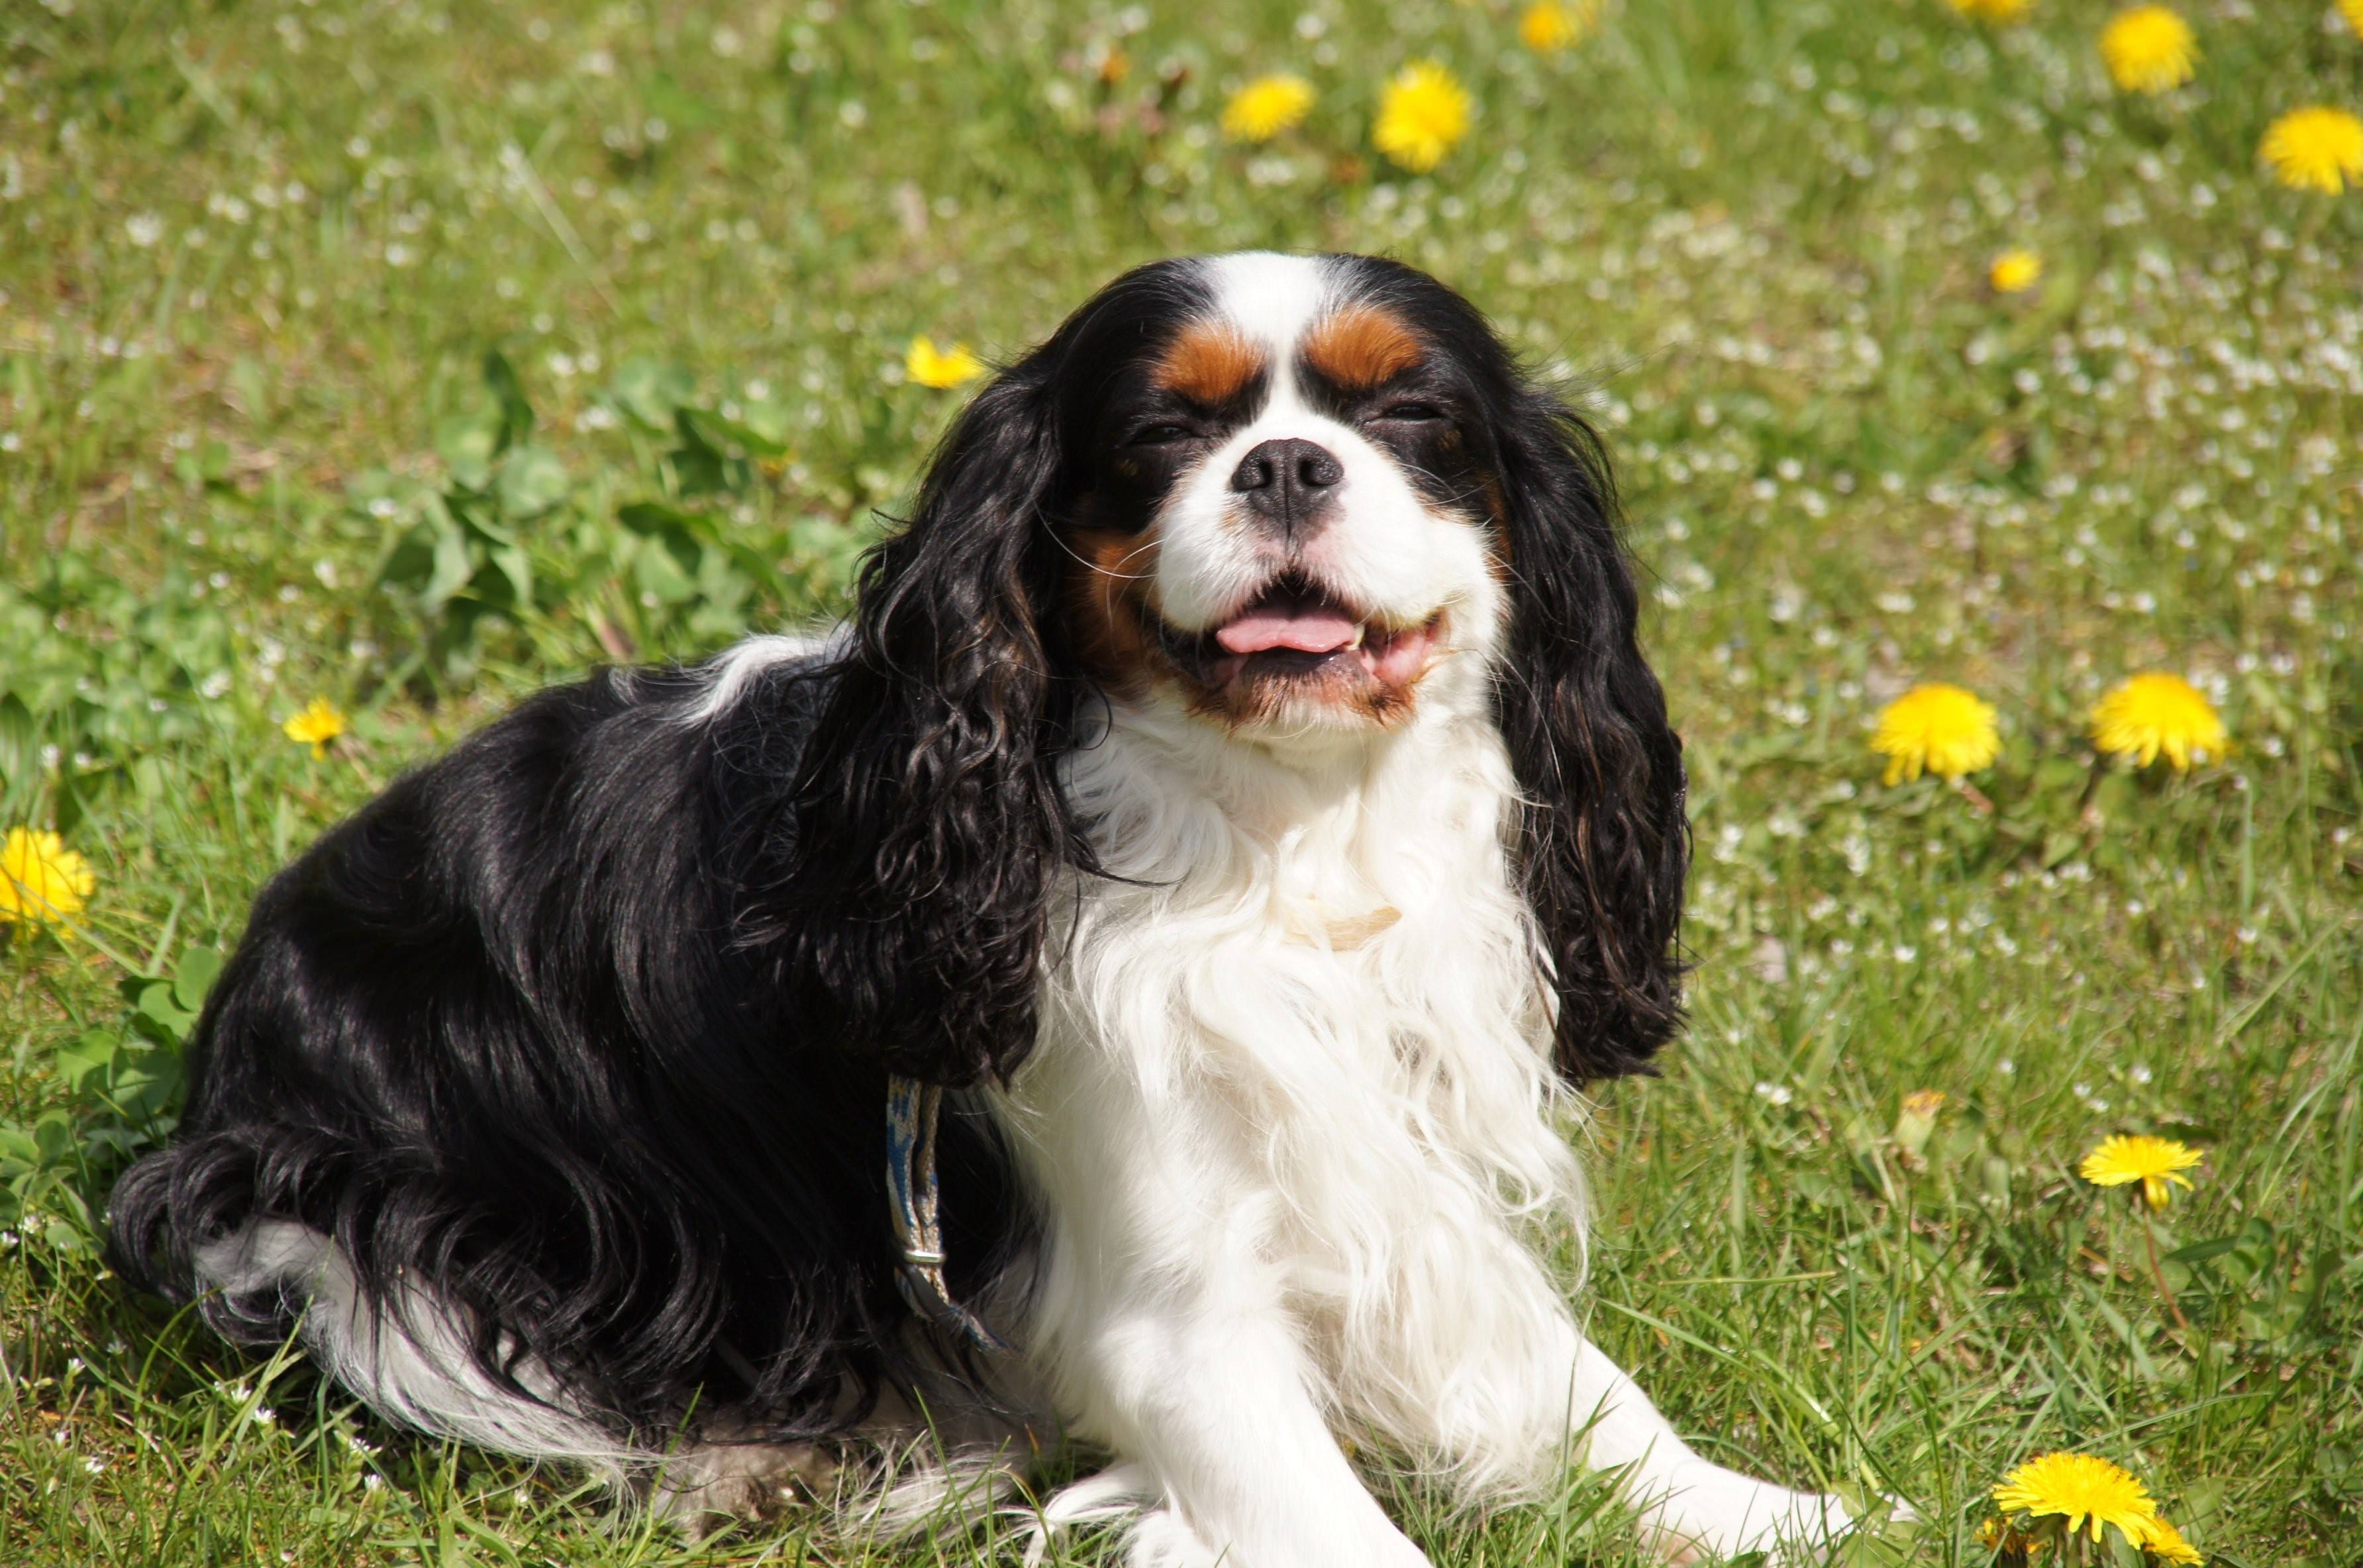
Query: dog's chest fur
point(1310, 1039)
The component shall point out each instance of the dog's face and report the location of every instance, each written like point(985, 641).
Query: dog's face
point(1281, 508)
point(1303, 501)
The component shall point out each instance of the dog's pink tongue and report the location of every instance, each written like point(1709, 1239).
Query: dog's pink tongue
point(1307, 628)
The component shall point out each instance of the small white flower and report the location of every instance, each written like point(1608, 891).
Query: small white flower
point(265, 1415)
point(2005, 1066)
point(94, 1465)
point(1779, 1094)
point(143, 229)
point(373, 1482)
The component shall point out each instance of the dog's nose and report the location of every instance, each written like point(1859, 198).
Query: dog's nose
point(1287, 482)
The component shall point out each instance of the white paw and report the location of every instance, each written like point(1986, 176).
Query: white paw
point(1706, 1513)
point(1161, 1540)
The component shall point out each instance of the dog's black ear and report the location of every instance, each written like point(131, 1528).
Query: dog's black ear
point(1602, 843)
point(929, 824)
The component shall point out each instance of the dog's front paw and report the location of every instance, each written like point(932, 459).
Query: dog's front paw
point(1706, 1514)
point(1162, 1539)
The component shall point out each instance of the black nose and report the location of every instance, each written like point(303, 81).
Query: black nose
point(1286, 482)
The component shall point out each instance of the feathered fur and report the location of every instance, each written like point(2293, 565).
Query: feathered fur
point(1239, 781)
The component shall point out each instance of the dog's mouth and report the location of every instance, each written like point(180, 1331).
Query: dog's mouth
point(1297, 631)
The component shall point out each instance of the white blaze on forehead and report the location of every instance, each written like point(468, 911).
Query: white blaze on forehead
point(1273, 300)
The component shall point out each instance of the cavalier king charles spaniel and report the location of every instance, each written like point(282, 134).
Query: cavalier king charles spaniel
point(1235, 816)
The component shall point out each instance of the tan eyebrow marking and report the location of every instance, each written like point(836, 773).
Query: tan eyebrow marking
point(1361, 347)
point(1209, 362)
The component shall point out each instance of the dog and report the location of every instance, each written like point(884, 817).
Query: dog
point(1236, 819)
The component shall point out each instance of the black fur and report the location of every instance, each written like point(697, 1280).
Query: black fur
point(497, 1032)
point(587, 1024)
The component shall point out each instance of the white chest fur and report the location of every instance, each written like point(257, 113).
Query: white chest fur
point(1294, 1058)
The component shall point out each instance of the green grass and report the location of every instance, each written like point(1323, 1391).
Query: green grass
point(254, 258)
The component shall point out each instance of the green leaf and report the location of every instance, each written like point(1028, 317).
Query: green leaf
point(718, 432)
point(195, 975)
point(89, 1055)
point(53, 1137)
point(157, 1005)
point(467, 443)
point(2200, 1251)
point(531, 481)
point(453, 566)
point(649, 389)
point(516, 414)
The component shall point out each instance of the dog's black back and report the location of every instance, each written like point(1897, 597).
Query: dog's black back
point(514, 1029)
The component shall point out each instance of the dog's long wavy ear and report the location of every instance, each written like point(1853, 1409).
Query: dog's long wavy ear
point(929, 822)
point(1602, 843)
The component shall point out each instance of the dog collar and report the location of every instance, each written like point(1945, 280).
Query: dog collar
point(912, 1108)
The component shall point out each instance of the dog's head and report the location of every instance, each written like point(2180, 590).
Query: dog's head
point(1286, 494)
point(1284, 500)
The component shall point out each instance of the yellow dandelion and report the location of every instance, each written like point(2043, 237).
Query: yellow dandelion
point(1936, 728)
point(1992, 10)
point(2014, 271)
point(2166, 1542)
point(1547, 25)
point(2315, 149)
point(1266, 107)
point(320, 723)
point(2353, 11)
point(42, 881)
point(2079, 1488)
point(1423, 114)
point(2148, 49)
point(940, 367)
point(2138, 1157)
point(2157, 712)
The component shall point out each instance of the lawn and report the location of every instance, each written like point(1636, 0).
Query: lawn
point(412, 355)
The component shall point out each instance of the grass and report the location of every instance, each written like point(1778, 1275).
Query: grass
point(416, 355)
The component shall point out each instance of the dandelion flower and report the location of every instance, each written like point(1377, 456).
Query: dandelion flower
point(1936, 728)
point(940, 367)
point(2014, 271)
point(2157, 712)
point(1924, 1103)
point(1915, 1121)
point(1266, 107)
point(1547, 25)
point(2148, 50)
point(1423, 114)
point(320, 723)
point(2153, 1161)
point(42, 881)
point(2078, 1487)
point(1992, 10)
point(2316, 149)
point(2166, 1542)
point(2353, 11)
